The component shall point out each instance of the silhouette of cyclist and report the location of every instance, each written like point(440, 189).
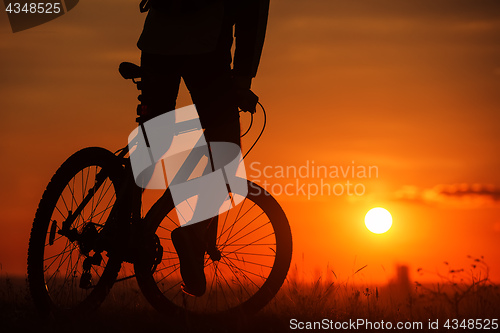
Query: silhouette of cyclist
point(192, 40)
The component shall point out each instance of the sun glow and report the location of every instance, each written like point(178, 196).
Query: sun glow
point(378, 220)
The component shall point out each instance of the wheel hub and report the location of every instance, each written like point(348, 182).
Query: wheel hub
point(87, 238)
point(214, 253)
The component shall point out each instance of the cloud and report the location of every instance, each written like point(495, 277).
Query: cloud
point(458, 195)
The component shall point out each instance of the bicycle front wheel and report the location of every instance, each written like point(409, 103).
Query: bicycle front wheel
point(58, 281)
point(255, 246)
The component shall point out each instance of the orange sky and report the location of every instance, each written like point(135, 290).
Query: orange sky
point(411, 87)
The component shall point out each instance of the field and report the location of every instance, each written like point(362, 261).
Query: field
point(461, 295)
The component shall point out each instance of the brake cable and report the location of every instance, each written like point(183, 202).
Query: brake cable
point(262, 130)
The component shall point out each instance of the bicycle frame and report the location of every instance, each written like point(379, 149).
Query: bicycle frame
point(94, 216)
point(125, 220)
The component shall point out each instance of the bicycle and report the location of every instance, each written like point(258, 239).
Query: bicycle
point(92, 218)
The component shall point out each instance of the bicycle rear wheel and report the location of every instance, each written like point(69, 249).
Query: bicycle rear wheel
point(57, 281)
point(255, 244)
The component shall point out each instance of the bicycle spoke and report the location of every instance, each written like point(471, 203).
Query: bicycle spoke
point(55, 264)
point(166, 276)
point(211, 289)
point(249, 262)
point(229, 286)
point(179, 291)
point(171, 287)
point(250, 222)
point(167, 267)
point(103, 193)
point(170, 252)
point(225, 220)
point(166, 229)
point(246, 238)
point(102, 213)
point(55, 255)
point(61, 259)
point(235, 220)
point(237, 278)
point(249, 232)
point(243, 271)
point(250, 244)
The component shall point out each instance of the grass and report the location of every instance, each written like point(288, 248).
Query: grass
point(461, 294)
point(455, 297)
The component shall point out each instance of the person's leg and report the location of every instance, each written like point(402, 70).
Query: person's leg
point(160, 83)
point(208, 79)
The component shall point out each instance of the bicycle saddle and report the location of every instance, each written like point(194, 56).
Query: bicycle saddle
point(129, 70)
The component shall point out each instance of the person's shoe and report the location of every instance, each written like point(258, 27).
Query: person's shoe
point(190, 248)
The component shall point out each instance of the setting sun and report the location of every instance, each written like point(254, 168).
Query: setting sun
point(378, 220)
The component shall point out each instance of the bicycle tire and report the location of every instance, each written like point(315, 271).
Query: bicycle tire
point(55, 262)
point(275, 249)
